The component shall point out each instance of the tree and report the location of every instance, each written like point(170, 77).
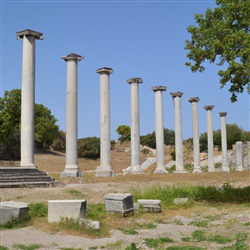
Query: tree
point(46, 129)
point(89, 147)
point(223, 35)
point(124, 132)
point(169, 136)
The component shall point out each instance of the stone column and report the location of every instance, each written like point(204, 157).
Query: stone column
point(159, 130)
point(178, 133)
point(196, 139)
point(210, 140)
point(248, 155)
point(135, 123)
point(105, 168)
point(239, 156)
point(225, 165)
point(28, 96)
point(71, 167)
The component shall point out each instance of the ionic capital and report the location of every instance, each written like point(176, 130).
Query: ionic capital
point(176, 94)
point(28, 33)
point(222, 114)
point(209, 107)
point(72, 56)
point(194, 99)
point(159, 88)
point(134, 80)
point(105, 70)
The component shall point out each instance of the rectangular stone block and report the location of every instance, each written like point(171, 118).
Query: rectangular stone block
point(119, 203)
point(10, 209)
point(151, 206)
point(58, 209)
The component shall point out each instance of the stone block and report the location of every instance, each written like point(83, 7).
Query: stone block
point(57, 209)
point(10, 209)
point(119, 203)
point(92, 224)
point(180, 201)
point(151, 206)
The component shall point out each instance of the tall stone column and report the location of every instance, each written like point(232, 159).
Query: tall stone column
point(28, 96)
point(196, 140)
point(105, 168)
point(71, 167)
point(135, 123)
point(159, 130)
point(225, 165)
point(210, 140)
point(178, 133)
point(239, 156)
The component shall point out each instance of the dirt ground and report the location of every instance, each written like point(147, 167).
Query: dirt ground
point(228, 220)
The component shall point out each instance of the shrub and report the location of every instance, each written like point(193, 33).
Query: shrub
point(38, 210)
point(89, 147)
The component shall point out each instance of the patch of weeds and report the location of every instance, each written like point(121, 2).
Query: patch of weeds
point(28, 247)
point(71, 248)
point(150, 242)
point(132, 247)
point(130, 231)
point(186, 239)
point(148, 226)
point(92, 248)
point(38, 210)
point(4, 248)
point(96, 212)
point(15, 222)
point(189, 167)
point(178, 222)
point(202, 223)
point(219, 239)
point(76, 193)
point(78, 226)
point(246, 224)
point(114, 245)
point(184, 248)
point(199, 235)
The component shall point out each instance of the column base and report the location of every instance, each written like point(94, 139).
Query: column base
point(225, 169)
point(196, 171)
point(71, 172)
point(180, 172)
point(28, 165)
point(105, 173)
point(160, 170)
point(240, 168)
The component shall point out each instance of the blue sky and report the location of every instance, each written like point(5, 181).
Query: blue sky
point(136, 38)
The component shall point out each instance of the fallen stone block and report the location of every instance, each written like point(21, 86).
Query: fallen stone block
point(11, 209)
point(58, 209)
point(151, 206)
point(119, 203)
point(91, 223)
point(180, 201)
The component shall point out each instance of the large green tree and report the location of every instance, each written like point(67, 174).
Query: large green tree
point(222, 35)
point(124, 132)
point(46, 129)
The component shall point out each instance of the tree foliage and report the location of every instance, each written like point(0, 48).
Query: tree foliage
point(124, 132)
point(46, 130)
point(89, 147)
point(150, 140)
point(234, 133)
point(223, 36)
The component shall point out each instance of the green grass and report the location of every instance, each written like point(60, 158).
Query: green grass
point(116, 245)
point(132, 247)
point(199, 235)
point(4, 248)
point(71, 248)
point(76, 193)
point(26, 247)
point(150, 242)
point(38, 210)
point(96, 212)
point(15, 222)
point(225, 193)
point(219, 239)
point(201, 223)
point(130, 231)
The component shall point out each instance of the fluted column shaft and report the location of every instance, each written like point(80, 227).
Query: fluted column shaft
point(105, 168)
point(210, 140)
point(135, 123)
point(28, 97)
point(71, 167)
point(225, 165)
point(196, 140)
point(178, 133)
point(159, 130)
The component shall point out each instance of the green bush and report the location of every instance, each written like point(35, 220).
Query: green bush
point(89, 148)
point(38, 210)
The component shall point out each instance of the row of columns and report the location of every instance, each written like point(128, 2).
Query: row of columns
point(105, 169)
